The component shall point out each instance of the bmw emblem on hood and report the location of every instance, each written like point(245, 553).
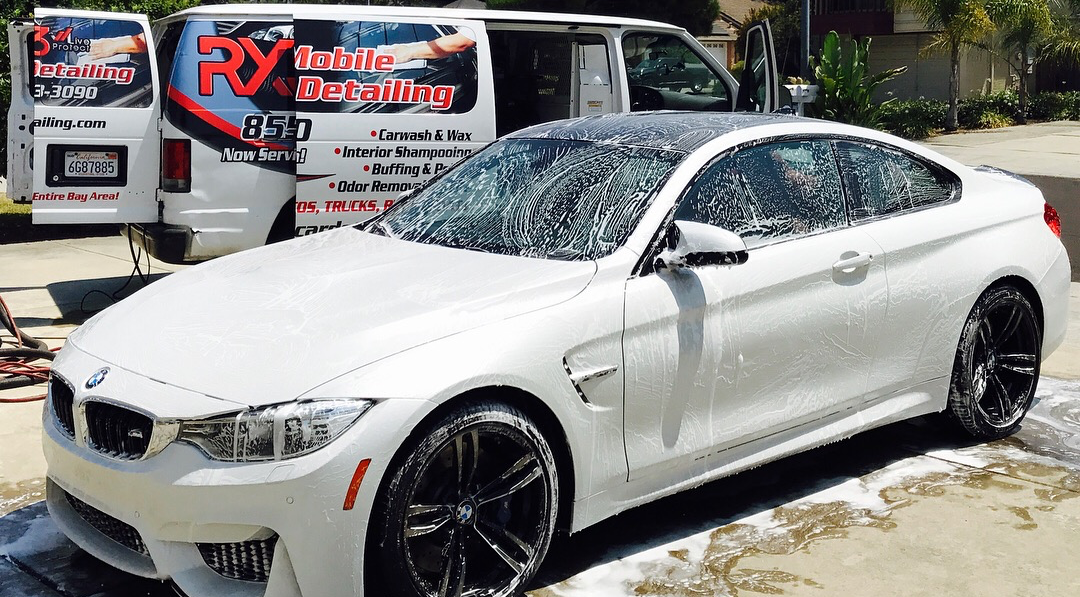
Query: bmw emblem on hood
point(96, 379)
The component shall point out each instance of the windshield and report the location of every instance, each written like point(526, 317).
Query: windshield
point(546, 198)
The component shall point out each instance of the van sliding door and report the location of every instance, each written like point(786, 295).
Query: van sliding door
point(391, 102)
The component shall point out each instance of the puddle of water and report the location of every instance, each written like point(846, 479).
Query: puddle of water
point(796, 526)
point(17, 495)
point(709, 564)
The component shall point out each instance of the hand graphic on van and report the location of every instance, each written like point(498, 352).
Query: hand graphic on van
point(416, 55)
point(101, 49)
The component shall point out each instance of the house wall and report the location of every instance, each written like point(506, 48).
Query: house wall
point(718, 50)
point(928, 75)
point(723, 51)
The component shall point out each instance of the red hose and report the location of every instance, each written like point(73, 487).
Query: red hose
point(17, 365)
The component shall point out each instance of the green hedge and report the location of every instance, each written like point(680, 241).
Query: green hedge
point(1052, 105)
point(921, 118)
point(989, 111)
point(914, 119)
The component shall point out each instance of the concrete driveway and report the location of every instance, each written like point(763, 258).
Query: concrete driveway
point(905, 509)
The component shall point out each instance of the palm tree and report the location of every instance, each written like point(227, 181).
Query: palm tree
point(1064, 40)
point(1024, 26)
point(1033, 30)
point(962, 23)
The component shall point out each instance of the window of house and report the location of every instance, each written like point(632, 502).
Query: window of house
point(769, 193)
point(882, 181)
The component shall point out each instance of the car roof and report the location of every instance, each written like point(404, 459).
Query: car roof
point(680, 131)
point(346, 12)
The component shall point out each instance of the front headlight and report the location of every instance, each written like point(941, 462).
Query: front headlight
point(273, 432)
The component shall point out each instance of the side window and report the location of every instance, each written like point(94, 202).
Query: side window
point(769, 193)
point(665, 73)
point(434, 69)
point(881, 181)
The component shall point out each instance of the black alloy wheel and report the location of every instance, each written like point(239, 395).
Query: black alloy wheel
point(471, 510)
point(997, 365)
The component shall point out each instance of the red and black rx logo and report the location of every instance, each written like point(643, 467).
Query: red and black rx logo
point(236, 52)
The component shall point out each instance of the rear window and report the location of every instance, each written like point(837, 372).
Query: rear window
point(90, 62)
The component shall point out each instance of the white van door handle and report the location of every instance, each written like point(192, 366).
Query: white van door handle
point(852, 263)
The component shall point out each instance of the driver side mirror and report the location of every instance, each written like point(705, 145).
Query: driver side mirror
point(698, 244)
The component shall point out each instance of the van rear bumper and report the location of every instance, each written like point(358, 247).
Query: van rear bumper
point(164, 242)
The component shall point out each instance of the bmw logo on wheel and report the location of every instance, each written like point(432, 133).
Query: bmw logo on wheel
point(96, 379)
point(465, 512)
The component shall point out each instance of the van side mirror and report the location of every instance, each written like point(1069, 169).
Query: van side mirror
point(698, 245)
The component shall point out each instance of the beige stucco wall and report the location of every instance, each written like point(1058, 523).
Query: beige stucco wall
point(928, 75)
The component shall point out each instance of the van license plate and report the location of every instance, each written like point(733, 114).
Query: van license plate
point(92, 164)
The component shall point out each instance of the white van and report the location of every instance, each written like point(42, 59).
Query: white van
point(222, 128)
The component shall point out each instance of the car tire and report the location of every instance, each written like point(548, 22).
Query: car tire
point(697, 86)
point(996, 368)
point(471, 505)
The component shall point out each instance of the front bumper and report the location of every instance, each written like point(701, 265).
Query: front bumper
point(218, 528)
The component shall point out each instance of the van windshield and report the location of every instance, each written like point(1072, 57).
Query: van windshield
point(543, 198)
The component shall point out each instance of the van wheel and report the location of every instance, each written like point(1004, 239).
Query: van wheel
point(997, 365)
point(471, 508)
point(284, 227)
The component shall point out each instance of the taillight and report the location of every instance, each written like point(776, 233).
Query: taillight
point(176, 165)
point(1052, 219)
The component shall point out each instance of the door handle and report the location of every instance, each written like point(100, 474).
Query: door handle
point(850, 264)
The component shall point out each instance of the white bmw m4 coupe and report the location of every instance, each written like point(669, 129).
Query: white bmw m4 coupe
point(580, 318)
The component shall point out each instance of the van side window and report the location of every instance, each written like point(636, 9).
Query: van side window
point(535, 79)
point(445, 84)
point(769, 193)
point(882, 181)
point(665, 74)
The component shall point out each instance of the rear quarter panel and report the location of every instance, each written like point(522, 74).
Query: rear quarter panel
point(941, 259)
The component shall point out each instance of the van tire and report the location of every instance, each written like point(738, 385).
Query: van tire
point(284, 227)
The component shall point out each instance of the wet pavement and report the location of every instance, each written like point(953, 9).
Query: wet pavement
point(906, 509)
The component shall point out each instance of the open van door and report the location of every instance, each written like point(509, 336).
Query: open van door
point(94, 82)
point(759, 88)
point(20, 144)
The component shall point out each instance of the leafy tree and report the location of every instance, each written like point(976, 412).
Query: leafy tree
point(1023, 25)
point(962, 23)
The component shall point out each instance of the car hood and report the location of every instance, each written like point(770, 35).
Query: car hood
point(266, 325)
